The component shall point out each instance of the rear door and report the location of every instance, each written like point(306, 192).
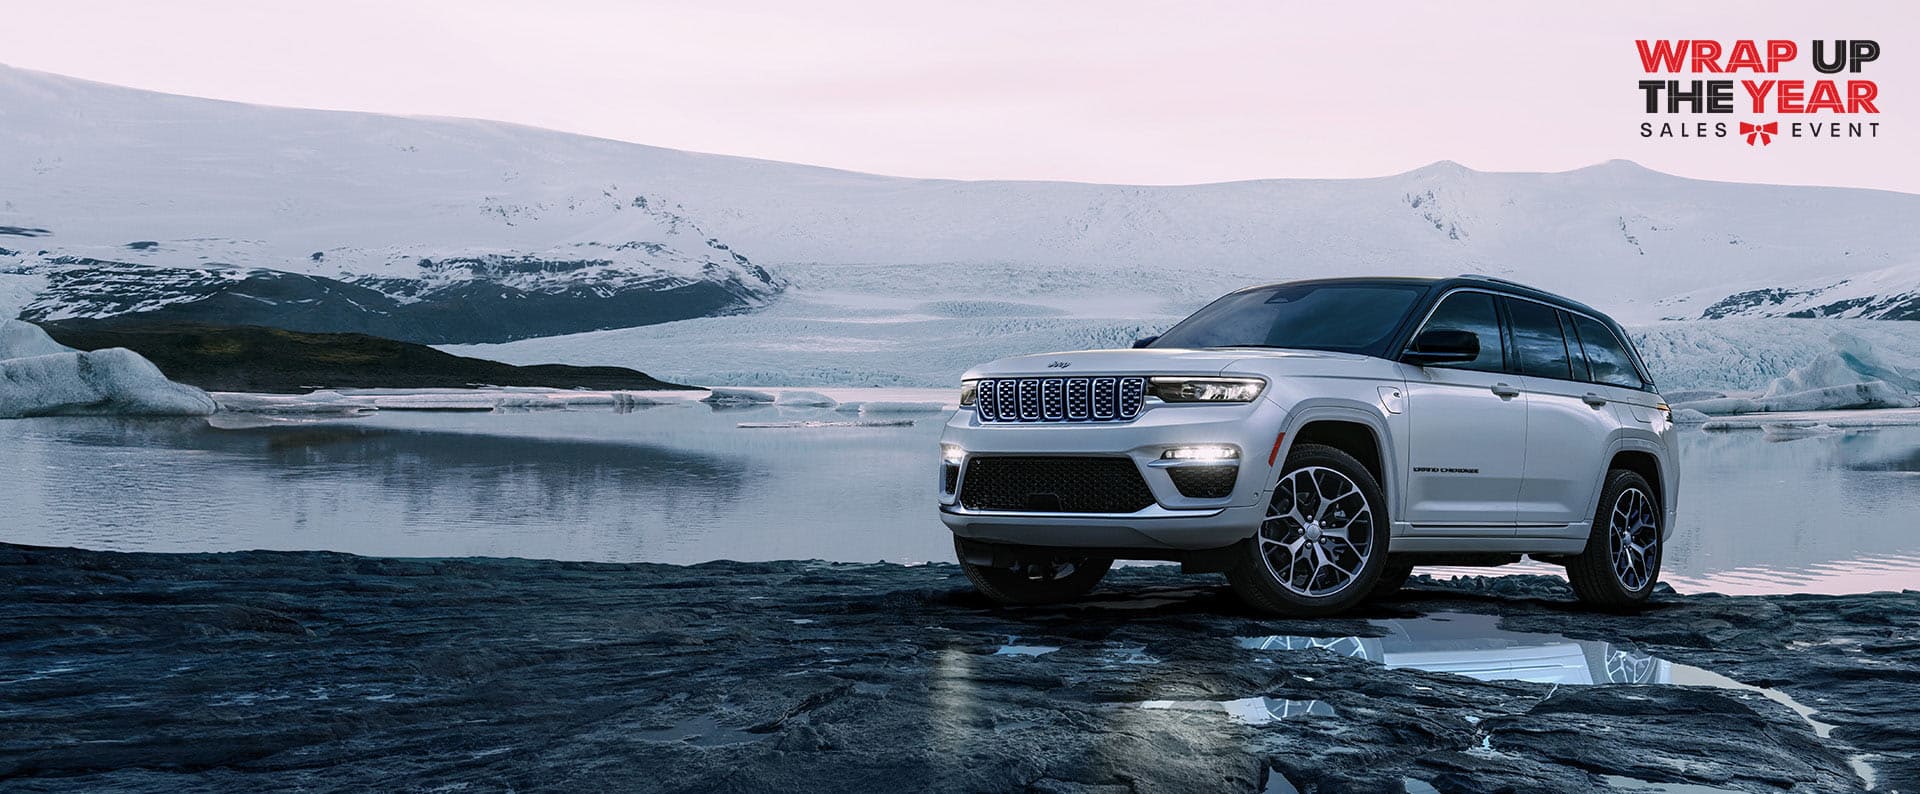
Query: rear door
point(1466, 436)
point(1568, 421)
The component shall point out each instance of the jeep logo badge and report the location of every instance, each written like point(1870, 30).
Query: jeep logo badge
point(1060, 365)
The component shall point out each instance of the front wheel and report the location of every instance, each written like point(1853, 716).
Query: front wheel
point(1622, 559)
point(1042, 579)
point(1323, 544)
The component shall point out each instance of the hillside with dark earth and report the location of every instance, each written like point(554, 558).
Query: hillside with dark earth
point(256, 359)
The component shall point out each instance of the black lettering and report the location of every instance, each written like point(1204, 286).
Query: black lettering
point(1720, 96)
point(1652, 87)
point(1820, 63)
point(1863, 50)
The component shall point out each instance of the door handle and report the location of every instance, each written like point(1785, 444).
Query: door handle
point(1506, 392)
point(1594, 400)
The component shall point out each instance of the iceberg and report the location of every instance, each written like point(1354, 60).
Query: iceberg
point(723, 396)
point(806, 399)
point(110, 382)
point(1862, 357)
point(1852, 374)
point(22, 340)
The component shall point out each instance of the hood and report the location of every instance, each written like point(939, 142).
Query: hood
point(1148, 361)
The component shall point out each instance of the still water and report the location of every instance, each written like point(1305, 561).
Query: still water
point(682, 483)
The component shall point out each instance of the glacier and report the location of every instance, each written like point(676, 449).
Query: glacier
point(40, 377)
point(818, 337)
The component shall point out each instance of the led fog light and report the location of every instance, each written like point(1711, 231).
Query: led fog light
point(1201, 453)
point(952, 454)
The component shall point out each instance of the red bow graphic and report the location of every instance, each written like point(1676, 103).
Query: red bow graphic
point(1764, 132)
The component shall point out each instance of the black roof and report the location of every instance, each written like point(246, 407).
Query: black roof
point(1465, 280)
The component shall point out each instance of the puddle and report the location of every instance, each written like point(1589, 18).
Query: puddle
point(701, 731)
point(1475, 646)
point(1624, 783)
point(1248, 711)
point(1012, 648)
point(1116, 653)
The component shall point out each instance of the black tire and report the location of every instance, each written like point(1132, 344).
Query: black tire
point(1626, 500)
point(1255, 578)
point(1047, 579)
point(1392, 578)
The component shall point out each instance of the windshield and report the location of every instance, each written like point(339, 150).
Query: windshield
point(1343, 317)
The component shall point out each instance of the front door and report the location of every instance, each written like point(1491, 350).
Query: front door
point(1467, 430)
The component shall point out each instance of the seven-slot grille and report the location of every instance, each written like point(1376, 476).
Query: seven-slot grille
point(1077, 399)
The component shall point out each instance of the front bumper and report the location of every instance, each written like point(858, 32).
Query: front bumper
point(1173, 522)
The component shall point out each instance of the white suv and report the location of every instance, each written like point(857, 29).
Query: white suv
point(1316, 440)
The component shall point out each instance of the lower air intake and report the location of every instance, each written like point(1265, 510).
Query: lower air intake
point(1054, 485)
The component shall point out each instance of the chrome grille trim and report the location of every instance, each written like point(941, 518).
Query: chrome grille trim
point(1069, 399)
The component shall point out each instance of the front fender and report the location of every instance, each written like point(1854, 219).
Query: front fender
point(1387, 429)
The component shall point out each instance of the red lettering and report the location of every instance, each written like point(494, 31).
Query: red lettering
point(1758, 90)
point(1664, 56)
point(1744, 56)
point(1706, 56)
point(1780, 51)
point(1790, 94)
point(1860, 95)
point(1825, 97)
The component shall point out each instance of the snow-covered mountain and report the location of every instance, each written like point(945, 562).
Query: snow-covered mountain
point(121, 203)
point(1888, 294)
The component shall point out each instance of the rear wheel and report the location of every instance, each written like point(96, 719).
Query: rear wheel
point(1622, 560)
point(1041, 578)
point(1323, 544)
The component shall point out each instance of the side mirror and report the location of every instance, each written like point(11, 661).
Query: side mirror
point(1145, 340)
point(1443, 346)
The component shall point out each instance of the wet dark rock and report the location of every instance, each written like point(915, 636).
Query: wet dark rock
point(319, 671)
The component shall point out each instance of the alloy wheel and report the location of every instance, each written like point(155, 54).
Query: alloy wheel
point(1319, 532)
point(1633, 538)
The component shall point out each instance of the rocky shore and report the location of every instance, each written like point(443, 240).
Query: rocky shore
point(319, 671)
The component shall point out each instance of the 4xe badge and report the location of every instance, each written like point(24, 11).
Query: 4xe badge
point(1776, 90)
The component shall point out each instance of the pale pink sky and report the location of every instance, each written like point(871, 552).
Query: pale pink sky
point(1139, 92)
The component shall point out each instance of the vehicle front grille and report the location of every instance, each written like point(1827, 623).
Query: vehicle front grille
point(1076, 399)
point(1204, 482)
point(1054, 485)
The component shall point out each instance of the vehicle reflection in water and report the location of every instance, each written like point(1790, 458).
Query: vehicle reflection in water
point(1476, 647)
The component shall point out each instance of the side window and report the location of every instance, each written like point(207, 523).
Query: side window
point(1538, 341)
point(1581, 370)
point(1606, 355)
point(1471, 311)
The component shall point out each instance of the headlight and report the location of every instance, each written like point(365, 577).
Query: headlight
point(1207, 390)
point(969, 392)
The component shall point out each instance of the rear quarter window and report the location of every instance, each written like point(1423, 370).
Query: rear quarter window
point(1607, 358)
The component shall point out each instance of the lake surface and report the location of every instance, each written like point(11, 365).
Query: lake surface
point(1760, 512)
